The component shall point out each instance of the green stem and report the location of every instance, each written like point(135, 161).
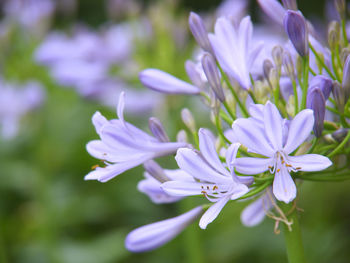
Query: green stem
point(293, 239)
point(343, 26)
point(340, 146)
point(305, 81)
point(220, 131)
point(256, 190)
point(296, 102)
point(232, 115)
point(320, 60)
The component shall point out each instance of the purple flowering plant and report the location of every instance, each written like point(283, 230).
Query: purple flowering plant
point(280, 116)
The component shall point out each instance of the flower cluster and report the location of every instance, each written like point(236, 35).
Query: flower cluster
point(279, 113)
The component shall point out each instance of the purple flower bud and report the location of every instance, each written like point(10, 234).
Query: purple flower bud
point(212, 74)
point(267, 66)
point(340, 134)
point(341, 8)
point(154, 235)
point(155, 171)
point(317, 102)
point(339, 96)
point(325, 84)
point(277, 55)
point(194, 74)
point(188, 119)
point(296, 29)
point(156, 127)
point(199, 32)
point(290, 4)
point(288, 65)
point(346, 78)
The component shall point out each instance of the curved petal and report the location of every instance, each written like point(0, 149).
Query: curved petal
point(284, 187)
point(191, 162)
point(161, 81)
point(309, 162)
point(120, 108)
point(231, 154)
point(273, 125)
point(213, 211)
point(251, 136)
point(252, 165)
point(207, 148)
point(180, 188)
point(238, 191)
point(98, 120)
point(299, 129)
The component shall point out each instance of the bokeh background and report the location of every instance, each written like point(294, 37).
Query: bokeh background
point(48, 213)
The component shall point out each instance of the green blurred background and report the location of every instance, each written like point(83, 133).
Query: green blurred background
point(48, 213)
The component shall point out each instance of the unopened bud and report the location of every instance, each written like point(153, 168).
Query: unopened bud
point(340, 134)
point(212, 74)
point(154, 170)
point(188, 119)
point(339, 97)
point(277, 55)
point(157, 129)
point(317, 102)
point(182, 136)
point(199, 32)
point(290, 4)
point(273, 78)
point(333, 34)
point(296, 29)
point(346, 79)
point(267, 66)
point(325, 84)
point(288, 65)
point(341, 8)
point(193, 74)
point(345, 52)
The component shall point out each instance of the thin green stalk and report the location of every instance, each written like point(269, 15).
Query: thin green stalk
point(293, 239)
point(312, 72)
point(220, 131)
point(226, 118)
point(251, 93)
point(296, 101)
point(241, 106)
point(305, 81)
point(340, 146)
point(232, 115)
point(335, 67)
point(256, 190)
point(320, 60)
point(343, 26)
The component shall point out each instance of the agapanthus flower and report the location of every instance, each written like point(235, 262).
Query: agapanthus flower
point(214, 181)
point(276, 138)
point(234, 49)
point(154, 235)
point(123, 146)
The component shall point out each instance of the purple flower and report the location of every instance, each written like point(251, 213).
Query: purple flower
point(255, 212)
point(152, 236)
point(214, 181)
point(273, 9)
point(123, 146)
point(277, 139)
point(161, 81)
point(234, 49)
point(155, 176)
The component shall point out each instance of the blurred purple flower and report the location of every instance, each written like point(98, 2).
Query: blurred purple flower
point(123, 146)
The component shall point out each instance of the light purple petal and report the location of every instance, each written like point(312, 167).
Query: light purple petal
point(252, 137)
point(161, 81)
point(309, 162)
point(238, 191)
point(231, 154)
point(207, 148)
point(299, 129)
point(284, 187)
point(273, 125)
point(213, 211)
point(191, 162)
point(252, 165)
point(154, 235)
point(98, 120)
point(120, 107)
point(273, 9)
point(181, 188)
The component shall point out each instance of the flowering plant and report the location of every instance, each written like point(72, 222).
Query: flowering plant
point(280, 117)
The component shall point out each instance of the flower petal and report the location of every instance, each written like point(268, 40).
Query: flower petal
point(273, 125)
point(191, 162)
point(284, 187)
point(161, 81)
point(299, 129)
point(252, 165)
point(207, 148)
point(238, 191)
point(154, 235)
point(99, 121)
point(252, 137)
point(213, 211)
point(309, 162)
point(181, 188)
point(231, 154)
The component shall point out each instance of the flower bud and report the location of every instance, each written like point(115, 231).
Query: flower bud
point(193, 74)
point(188, 119)
point(296, 29)
point(154, 235)
point(340, 134)
point(333, 34)
point(288, 65)
point(325, 84)
point(339, 97)
point(290, 4)
point(277, 55)
point(181, 136)
point(317, 102)
point(267, 66)
point(199, 32)
point(345, 52)
point(212, 74)
point(341, 8)
point(273, 78)
point(346, 79)
point(157, 129)
point(154, 170)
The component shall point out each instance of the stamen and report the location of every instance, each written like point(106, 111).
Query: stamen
point(94, 166)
